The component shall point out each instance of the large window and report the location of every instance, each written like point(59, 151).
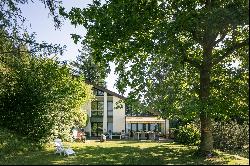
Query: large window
point(97, 105)
point(110, 105)
point(128, 127)
point(97, 108)
point(145, 127)
point(96, 129)
point(133, 127)
point(140, 127)
point(110, 108)
point(152, 126)
point(110, 126)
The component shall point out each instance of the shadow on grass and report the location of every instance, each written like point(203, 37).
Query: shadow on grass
point(143, 141)
point(125, 155)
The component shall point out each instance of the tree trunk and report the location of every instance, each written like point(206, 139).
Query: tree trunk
point(206, 145)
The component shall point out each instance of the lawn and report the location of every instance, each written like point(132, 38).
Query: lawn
point(121, 152)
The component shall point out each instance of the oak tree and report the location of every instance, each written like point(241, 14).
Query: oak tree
point(174, 54)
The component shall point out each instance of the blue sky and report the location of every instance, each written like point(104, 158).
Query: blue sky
point(39, 21)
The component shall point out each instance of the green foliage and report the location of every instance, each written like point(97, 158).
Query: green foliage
point(93, 71)
point(174, 55)
point(188, 134)
point(231, 135)
point(161, 48)
point(39, 97)
point(11, 143)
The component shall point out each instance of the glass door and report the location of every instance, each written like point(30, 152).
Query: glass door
point(96, 129)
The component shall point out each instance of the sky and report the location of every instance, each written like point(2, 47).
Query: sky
point(39, 21)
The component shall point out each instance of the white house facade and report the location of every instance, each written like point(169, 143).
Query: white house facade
point(107, 113)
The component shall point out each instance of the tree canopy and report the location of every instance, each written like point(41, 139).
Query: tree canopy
point(39, 97)
point(175, 55)
point(12, 23)
point(94, 72)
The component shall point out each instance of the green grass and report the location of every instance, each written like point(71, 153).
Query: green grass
point(121, 152)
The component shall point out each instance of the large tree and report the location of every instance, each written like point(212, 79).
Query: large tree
point(175, 55)
point(94, 72)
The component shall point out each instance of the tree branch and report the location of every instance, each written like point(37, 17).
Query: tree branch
point(229, 51)
point(223, 35)
point(11, 52)
point(192, 62)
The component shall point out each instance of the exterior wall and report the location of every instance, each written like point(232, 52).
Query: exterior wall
point(118, 116)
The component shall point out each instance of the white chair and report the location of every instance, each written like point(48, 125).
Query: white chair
point(103, 138)
point(74, 135)
point(60, 149)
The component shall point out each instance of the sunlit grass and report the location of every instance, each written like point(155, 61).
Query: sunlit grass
point(121, 152)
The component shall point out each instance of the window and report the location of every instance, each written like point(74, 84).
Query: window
point(97, 105)
point(96, 113)
point(110, 105)
point(128, 127)
point(98, 92)
point(145, 127)
point(152, 126)
point(100, 105)
point(110, 108)
point(110, 126)
point(133, 127)
point(139, 126)
point(97, 108)
point(94, 105)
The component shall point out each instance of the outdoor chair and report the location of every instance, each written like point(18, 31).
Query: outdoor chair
point(126, 136)
point(103, 138)
point(151, 136)
point(60, 149)
point(123, 134)
point(143, 135)
point(135, 136)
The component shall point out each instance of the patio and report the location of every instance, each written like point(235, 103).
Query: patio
point(146, 128)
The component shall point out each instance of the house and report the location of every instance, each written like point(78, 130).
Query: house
point(108, 113)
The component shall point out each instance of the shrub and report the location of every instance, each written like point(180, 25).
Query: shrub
point(11, 143)
point(188, 134)
point(231, 135)
point(39, 97)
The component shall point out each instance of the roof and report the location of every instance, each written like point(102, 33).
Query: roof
point(106, 90)
point(133, 119)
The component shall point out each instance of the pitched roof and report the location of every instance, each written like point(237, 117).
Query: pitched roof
point(106, 90)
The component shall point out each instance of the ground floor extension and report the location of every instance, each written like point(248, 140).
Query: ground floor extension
point(129, 124)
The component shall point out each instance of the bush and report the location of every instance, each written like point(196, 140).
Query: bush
point(12, 144)
point(188, 134)
point(231, 135)
point(39, 97)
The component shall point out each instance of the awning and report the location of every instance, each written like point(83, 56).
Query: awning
point(144, 120)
